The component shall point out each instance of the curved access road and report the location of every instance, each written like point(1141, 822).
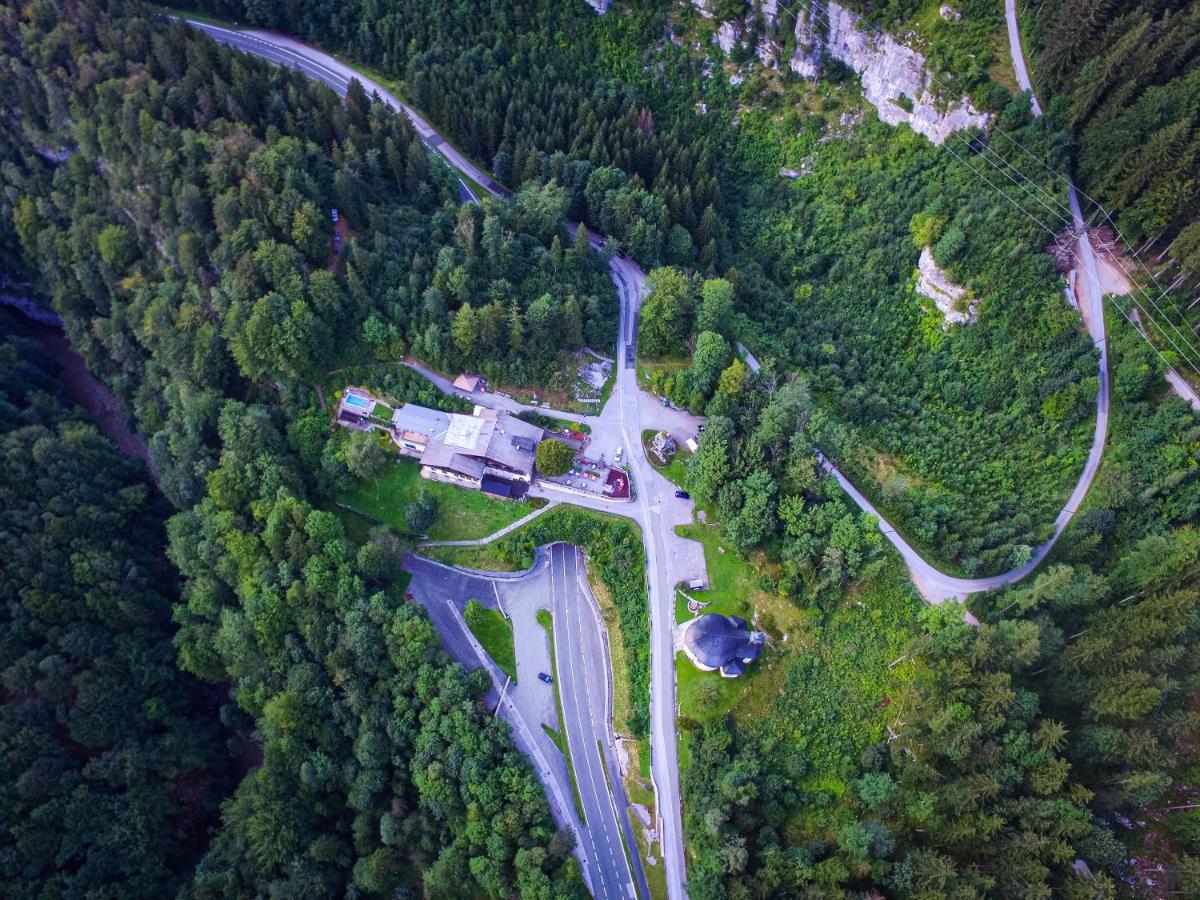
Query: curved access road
point(669, 558)
point(936, 586)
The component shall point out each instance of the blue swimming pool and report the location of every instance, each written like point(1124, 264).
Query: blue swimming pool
point(357, 401)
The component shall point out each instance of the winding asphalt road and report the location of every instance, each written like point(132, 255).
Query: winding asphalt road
point(656, 507)
point(630, 409)
point(936, 586)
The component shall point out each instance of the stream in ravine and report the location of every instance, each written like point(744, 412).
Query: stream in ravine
point(80, 385)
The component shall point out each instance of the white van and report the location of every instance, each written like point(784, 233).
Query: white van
point(620, 450)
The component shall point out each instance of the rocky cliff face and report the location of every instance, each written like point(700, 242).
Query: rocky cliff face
point(894, 76)
point(895, 80)
point(934, 283)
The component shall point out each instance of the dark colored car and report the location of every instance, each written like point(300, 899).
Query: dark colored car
point(546, 678)
point(683, 495)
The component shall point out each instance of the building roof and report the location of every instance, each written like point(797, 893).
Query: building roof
point(468, 433)
point(733, 668)
point(489, 437)
point(420, 420)
point(442, 456)
point(712, 640)
point(524, 443)
point(468, 382)
point(496, 486)
point(351, 419)
point(512, 443)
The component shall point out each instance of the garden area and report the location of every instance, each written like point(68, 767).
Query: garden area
point(676, 467)
point(460, 514)
point(734, 590)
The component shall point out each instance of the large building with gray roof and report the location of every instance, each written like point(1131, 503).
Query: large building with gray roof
point(488, 447)
point(488, 450)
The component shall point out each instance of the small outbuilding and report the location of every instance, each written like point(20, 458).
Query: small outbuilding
point(470, 383)
point(714, 642)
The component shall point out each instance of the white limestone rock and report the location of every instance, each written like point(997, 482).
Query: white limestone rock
point(935, 284)
point(806, 60)
point(702, 8)
point(728, 35)
point(894, 78)
point(767, 51)
point(600, 6)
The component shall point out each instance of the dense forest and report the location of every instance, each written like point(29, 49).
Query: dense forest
point(822, 267)
point(112, 761)
point(536, 91)
point(1066, 716)
point(1128, 75)
point(170, 198)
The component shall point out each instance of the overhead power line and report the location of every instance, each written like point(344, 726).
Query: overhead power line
point(1183, 345)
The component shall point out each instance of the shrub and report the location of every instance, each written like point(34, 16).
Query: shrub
point(420, 514)
point(553, 457)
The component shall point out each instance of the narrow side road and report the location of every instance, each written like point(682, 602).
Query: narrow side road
point(669, 558)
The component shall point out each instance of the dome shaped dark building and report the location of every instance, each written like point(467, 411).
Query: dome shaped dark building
point(714, 642)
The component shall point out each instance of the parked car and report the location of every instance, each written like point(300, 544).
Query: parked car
point(334, 214)
point(620, 450)
point(546, 678)
point(700, 430)
point(683, 495)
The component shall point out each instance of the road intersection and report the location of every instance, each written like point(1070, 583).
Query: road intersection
point(671, 559)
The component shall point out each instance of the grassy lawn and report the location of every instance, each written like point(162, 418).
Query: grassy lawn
point(462, 514)
point(648, 368)
point(495, 633)
point(357, 527)
point(556, 738)
point(483, 557)
point(734, 586)
point(734, 590)
point(675, 471)
point(559, 738)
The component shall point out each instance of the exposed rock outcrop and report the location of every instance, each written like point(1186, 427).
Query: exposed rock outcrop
point(728, 35)
point(894, 76)
point(806, 60)
point(600, 6)
point(934, 283)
